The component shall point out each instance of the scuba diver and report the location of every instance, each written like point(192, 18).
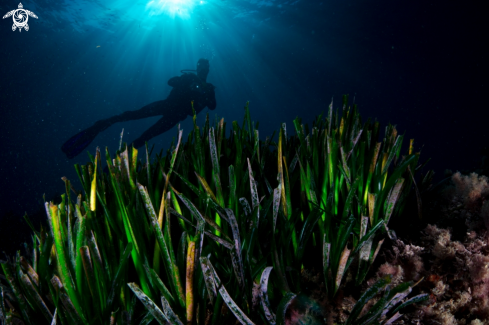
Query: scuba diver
point(186, 88)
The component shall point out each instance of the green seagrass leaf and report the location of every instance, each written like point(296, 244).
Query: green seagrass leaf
point(367, 295)
point(149, 304)
point(282, 307)
point(265, 303)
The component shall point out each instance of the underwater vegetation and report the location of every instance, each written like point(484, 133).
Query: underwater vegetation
point(223, 230)
point(451, 253)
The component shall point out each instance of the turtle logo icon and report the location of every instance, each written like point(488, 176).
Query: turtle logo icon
point(20, 17)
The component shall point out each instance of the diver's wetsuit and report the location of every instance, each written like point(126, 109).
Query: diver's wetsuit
point(174, 109)
point(186, 88)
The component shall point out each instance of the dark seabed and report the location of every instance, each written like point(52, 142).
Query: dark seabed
point(421, 65)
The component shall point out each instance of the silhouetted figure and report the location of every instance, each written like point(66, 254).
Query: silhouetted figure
point(186, 88)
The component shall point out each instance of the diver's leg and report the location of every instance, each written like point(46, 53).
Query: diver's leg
point(164, 124)
point(82, 140)
point(153, 109)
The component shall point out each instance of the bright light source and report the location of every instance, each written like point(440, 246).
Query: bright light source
point(181, 8)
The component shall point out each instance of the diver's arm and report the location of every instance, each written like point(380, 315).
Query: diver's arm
point(211, 98)
point(212, 104)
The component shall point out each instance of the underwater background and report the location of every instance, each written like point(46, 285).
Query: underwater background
point(420, 65)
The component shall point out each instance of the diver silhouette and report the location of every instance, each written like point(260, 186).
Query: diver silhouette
point(175, 108)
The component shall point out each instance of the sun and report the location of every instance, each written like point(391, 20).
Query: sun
point(173, 8)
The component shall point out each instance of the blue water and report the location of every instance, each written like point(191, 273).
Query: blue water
point(420, 65)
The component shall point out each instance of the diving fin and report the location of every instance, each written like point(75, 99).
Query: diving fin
point(77, 143)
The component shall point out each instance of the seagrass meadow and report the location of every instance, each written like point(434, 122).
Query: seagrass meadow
point(221, 229)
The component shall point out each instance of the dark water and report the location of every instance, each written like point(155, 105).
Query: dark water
point(418, 64)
